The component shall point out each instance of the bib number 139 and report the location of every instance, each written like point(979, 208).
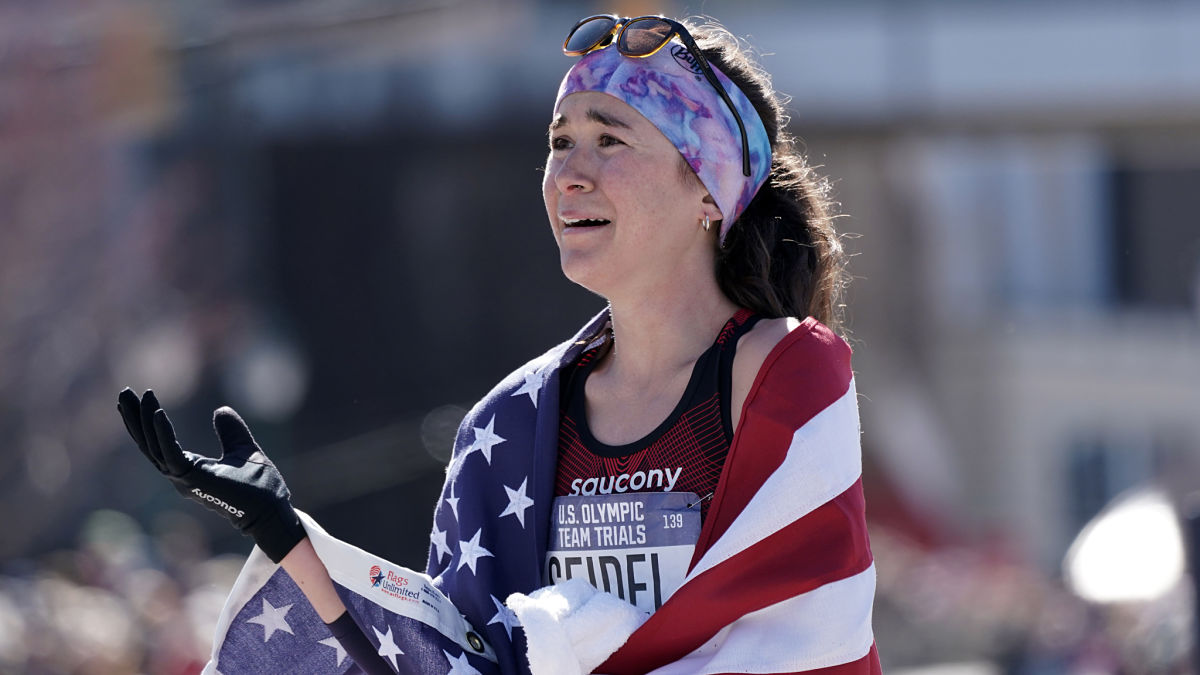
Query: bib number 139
point(672, 521)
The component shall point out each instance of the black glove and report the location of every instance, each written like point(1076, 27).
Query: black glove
point(243, 485)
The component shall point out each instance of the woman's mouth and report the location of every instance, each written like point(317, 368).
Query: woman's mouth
point(585, 222)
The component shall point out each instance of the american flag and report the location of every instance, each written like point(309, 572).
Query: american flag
point(267, 625)
point(782, 580)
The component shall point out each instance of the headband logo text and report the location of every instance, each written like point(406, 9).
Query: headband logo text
point(686, 59)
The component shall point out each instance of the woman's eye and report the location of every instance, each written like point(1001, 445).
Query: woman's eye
point(564, 143)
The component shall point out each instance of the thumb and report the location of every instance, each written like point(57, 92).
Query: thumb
point(233, 433)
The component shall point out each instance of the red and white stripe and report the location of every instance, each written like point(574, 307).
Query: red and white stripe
point(783, 580)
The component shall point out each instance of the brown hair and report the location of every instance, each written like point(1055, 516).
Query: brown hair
point(782, 257)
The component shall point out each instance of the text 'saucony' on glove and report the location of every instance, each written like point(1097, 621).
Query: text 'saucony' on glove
point(243, 484)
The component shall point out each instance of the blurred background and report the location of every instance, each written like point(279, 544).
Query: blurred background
point(327, 215)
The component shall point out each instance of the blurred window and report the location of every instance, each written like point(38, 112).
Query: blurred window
point(1014, 222)
point(1156, 236)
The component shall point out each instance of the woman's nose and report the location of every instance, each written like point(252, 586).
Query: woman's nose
point(573, 173)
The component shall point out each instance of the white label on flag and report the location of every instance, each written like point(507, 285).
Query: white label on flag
point(397, 589)
point(636, 546)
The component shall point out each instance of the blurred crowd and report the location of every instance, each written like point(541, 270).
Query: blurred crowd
point(973, 605)
point(124, 600)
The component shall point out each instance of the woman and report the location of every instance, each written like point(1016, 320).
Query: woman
point(691, 454)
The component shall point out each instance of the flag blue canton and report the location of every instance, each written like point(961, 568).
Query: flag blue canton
point(277, 626)
point(277, 631)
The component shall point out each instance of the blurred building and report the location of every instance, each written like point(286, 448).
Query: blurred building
point(327, 214)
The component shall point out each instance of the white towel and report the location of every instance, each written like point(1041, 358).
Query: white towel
point(572, 627)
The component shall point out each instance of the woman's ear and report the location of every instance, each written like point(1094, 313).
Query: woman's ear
point(711, 211)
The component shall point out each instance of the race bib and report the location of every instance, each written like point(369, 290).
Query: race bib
point(636, 546)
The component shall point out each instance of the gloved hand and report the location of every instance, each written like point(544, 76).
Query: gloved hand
point(243, 485)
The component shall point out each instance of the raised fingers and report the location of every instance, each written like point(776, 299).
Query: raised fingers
point(172, 454)
point(129, 407)
point(149, 406)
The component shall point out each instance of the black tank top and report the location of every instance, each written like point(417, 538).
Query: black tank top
point(683, 454)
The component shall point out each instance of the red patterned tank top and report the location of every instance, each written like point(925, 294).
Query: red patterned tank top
point(685, 453)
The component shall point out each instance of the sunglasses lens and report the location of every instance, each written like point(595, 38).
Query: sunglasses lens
point(644, 36)
point(588, 34)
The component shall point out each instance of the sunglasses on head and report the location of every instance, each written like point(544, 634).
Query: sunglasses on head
point(642, 37)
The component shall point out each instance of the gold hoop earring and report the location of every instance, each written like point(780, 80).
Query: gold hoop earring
point(707, 224)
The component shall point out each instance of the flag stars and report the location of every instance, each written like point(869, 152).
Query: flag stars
point(387, 645)
point(333, 642)
point(518, 503)
point(272, 619)
point(504, 616)
point(453, 501)
point(486, 439)
point(441, 547)
point(533, 383)
point(470, 552)
point(460, 665)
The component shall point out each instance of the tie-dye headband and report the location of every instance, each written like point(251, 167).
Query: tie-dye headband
point(668, 89)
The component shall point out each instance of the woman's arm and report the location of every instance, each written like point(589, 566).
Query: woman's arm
point(309, 573)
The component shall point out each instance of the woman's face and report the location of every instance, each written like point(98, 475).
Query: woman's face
point(624, 217)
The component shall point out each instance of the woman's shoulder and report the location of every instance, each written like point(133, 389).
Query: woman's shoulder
point(788, 353)
point(758, 342)
point(790, 340)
